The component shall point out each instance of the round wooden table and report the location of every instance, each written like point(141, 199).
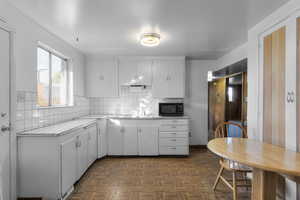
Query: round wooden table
point(267, 161)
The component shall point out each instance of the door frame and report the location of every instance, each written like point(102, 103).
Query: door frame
point(12, 109)
point(290, 22)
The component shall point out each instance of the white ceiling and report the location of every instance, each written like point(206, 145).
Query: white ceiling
point(204, 29)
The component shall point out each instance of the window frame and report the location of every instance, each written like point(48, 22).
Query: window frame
point(68, 87)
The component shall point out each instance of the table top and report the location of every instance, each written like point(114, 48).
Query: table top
point(257, 155)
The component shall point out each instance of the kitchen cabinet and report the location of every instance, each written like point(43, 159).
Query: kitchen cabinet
point(174, 137)
point(135, 71)
point(92, 144)
point(168, 78)
point(102, 78)
point(68, 164)
point(148, 141)
point(82, 153)
point(59, 158)
point(102, 138)
point(130, 141)
point(115, 139)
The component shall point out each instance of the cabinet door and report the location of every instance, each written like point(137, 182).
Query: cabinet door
point(102, 78)
point(92, 144)
point(115, 140)
point(130, 141)
point(102, 138)
point(135, 71)
point(148, 141)
point(82, 153)
point(68, 164)
point(144, 72)
point(274, 88)
point(127, 72)
point(168, 78)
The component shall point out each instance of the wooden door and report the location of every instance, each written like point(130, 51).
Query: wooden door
point(274, 86)
point(217, 101)
point(298, 94)
point(5, 173)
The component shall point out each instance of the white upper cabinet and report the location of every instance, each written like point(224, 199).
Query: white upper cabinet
point(135, 71)
point(168, 78)
point(101, 78)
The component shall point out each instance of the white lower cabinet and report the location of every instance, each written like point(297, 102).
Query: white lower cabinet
point(49, 165)
point(92, 144)
point(115, 139)
point(148, 137)
point(82, 152)
point(130, 143)
point(68, 164)
point(174, 137)
point(148, 141)
point(102, 138)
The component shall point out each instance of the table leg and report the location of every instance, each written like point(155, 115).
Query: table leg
point(263, 185)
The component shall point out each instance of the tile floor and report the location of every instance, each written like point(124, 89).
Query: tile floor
point(139, 178)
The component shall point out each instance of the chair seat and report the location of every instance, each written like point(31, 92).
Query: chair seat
point(232, 165)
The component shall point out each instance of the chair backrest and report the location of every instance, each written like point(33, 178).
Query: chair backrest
point(230, 129)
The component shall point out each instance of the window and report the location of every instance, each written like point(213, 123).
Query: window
point(52, 79)
point(230, 94)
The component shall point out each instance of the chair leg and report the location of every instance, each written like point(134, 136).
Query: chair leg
point(218, 178)
point(234, 185)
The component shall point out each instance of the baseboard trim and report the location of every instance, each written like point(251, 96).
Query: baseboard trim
point(198, 146)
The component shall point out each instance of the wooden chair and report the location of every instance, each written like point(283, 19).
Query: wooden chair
point(230, 129)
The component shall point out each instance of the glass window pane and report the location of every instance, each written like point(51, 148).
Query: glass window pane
point(42, 77)
point(59, 81)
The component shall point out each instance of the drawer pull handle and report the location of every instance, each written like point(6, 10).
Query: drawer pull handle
point(173, 140)
point(173, 126)
point(173, 148)
point(174, 133)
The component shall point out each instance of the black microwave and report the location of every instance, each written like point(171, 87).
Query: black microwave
point(171, 109)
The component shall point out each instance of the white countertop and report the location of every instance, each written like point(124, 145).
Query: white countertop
point(59, 129)
point(133, 117)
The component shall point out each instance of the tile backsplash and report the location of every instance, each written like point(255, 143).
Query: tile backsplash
point(132, 101)
point(29, 116)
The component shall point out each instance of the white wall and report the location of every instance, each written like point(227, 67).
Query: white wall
point(255, 84)
point(196, 102)
point(28, 33)
point(232, 57)
point(253, 61)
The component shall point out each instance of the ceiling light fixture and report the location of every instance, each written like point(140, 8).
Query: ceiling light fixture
point(150, 39)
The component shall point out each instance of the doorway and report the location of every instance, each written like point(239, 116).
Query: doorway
point(227, 96)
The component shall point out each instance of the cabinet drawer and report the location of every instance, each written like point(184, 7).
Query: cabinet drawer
point(173, 141)
point(171, 128)
point(174, 134)
point(169, 150)
point(174, 122)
